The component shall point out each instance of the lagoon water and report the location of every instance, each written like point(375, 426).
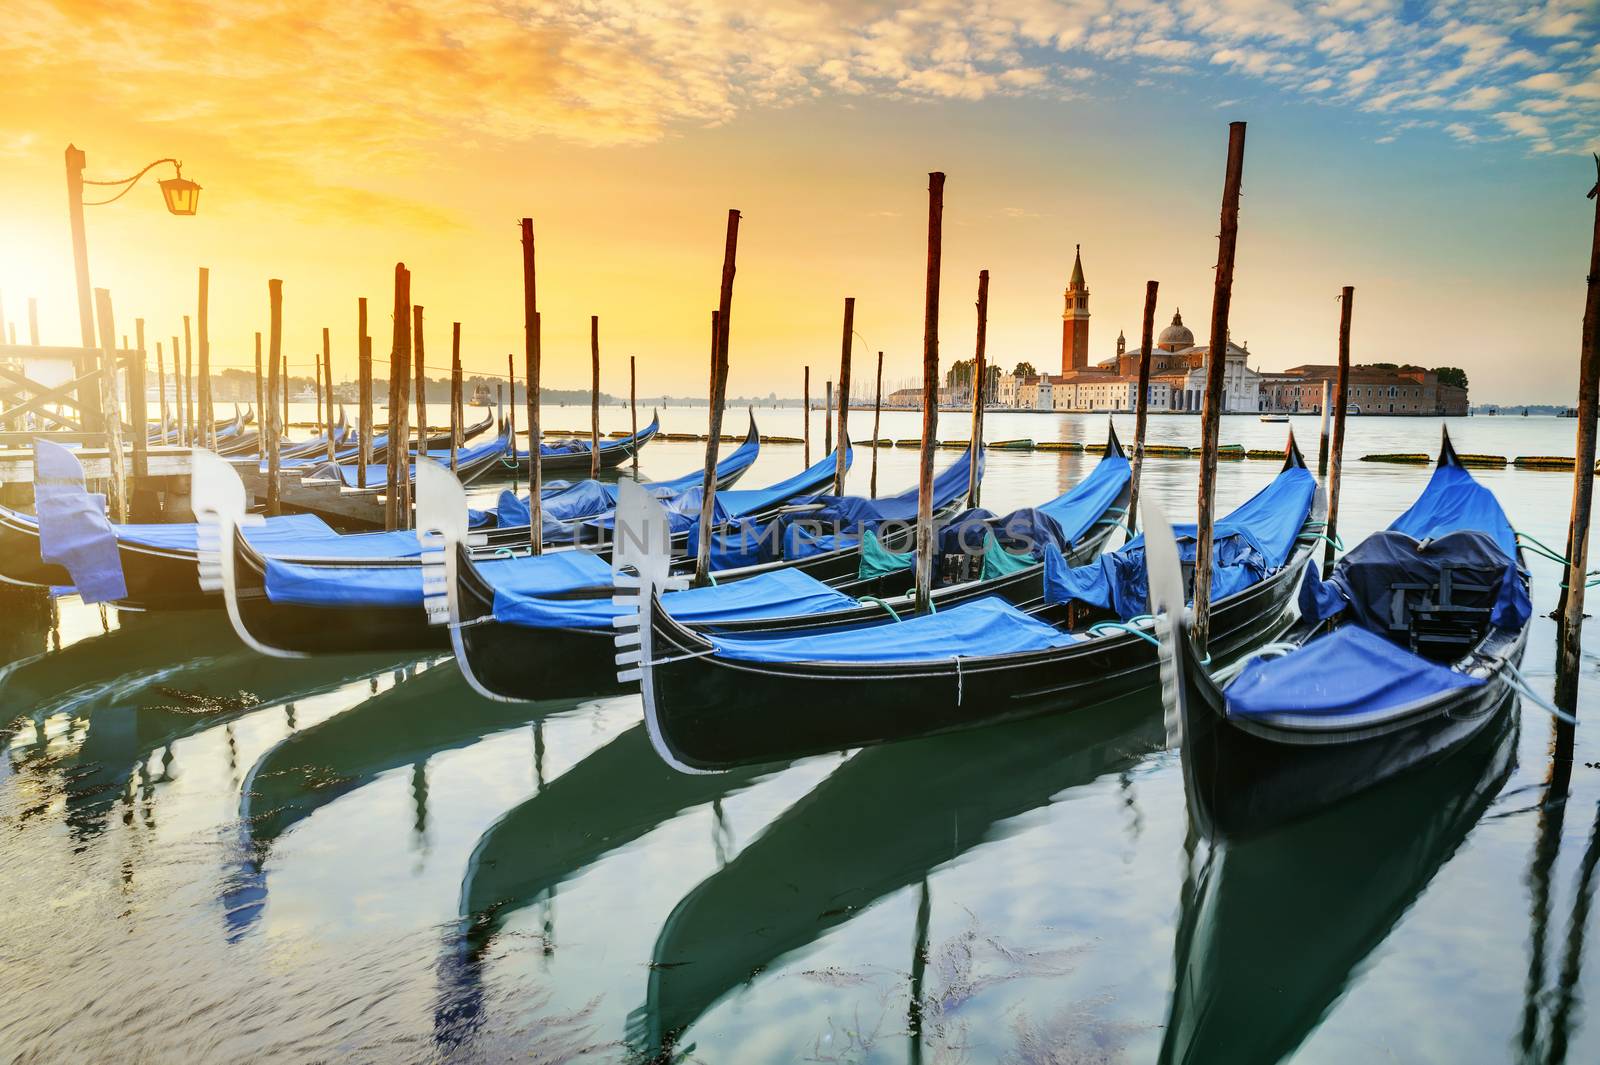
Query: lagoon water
point(211, 856)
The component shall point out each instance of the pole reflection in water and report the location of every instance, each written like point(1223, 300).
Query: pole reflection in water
point(422, 715)
point(885, 819)
point(1278, 923)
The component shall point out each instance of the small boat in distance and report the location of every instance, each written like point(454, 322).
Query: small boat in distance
point(1271, 416)
point(481, 396)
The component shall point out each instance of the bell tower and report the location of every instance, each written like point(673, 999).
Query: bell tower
point(1075, 320)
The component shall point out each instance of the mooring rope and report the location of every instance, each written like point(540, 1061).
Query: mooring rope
point(866, 600)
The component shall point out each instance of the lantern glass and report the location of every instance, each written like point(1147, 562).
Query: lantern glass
point(181, 194)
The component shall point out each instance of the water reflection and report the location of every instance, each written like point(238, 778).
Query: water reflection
point(1274, 926)
point(107, 710)
point(429, 710)
point(882, 821)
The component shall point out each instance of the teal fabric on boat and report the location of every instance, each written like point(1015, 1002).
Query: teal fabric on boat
point(998, 562)
point(879, 561)
point(982, 628)
point(780, 593)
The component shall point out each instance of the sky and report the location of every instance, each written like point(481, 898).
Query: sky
point(1434, 156)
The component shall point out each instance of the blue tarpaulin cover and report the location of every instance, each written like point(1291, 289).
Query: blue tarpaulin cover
point(73, 530)
point(580, 446)
point(310, 585)
point(349, 473)
point(780, 593)
point(849, 516)
point(1348, 671)
point(1455, 500)
point(1251, 543)
point(989, 626)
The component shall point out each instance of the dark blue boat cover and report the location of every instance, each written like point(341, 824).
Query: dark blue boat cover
point(1251, 543)
point(349, 473)
point(1348, 671)
point(1364, 582)
point(984, 627)
point(397, 586)
point(1455, 500)
point(779, 593)
point(73, 530)
point(1063, 521)
point(580, 446)
point(849, 516)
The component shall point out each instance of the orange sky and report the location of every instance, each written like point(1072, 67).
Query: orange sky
point(1439, 171)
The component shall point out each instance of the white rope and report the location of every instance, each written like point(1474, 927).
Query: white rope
point(1520, 683)
point(1276, 649)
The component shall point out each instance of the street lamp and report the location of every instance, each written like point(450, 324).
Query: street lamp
point(181, 195)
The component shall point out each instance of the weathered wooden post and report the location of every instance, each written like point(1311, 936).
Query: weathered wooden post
point(262, 413)
point(33, 321)
point(138, 412)
point(805, 404)
point(511, 421)
point(1336, 454)
point(418, 357)
point(284, 425)
point(177, 392)
point(364, 429)
point(633, 406)
point(1142, 401)
point(161, 388)
point(877, 414)
point(1216, 397)
point(455, 396)
point(276, 380)
point(1322, 442)
point(316, 370)
point(117, 496)
point(594, 395)
point(208, 420)
point(719, 387)
point(840, 467)
point(533, 356)
point(930, 393)
point(399, 363)
point(1569, 656)
point(190, 405)
point(327, 393)
point(827, 417)
point(979, 370)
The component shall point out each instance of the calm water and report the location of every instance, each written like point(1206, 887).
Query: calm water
point(206, 855)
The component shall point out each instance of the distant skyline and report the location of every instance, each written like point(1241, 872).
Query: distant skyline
point(1433, 156)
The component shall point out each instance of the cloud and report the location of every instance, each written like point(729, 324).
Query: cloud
point(1526, 125)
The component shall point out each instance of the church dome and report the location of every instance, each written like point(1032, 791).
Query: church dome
point(1177, 335)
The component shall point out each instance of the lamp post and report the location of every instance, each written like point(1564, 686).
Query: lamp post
point(182, 197)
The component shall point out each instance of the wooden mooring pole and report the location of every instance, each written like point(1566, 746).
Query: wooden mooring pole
point(161, 388)
point(399, 360)
point(877, 416)
point(1570, 651)
point(284, 425)
point(719, 388)
point(1347, 299)
point(511, 417)
point(117, 494)
point(327, 392)
point(1322, 443)
point(418, 360)
point(1216, 397)
point(316, 389)
point(805, 405)
point(533, 355)
point(827, 418)
point(1142, 400)
point(33, 321)
point(633, 405)
point(275, 381)
point(364, 393)
point(455, 396)
point(192, 433)
point(594, 395)
point(208, 429)
point(975, 441)
point(930, 393)
point(138, 412)
point(261, 408)
point(840, 466)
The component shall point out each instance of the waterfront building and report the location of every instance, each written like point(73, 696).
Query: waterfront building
point(1404, 390)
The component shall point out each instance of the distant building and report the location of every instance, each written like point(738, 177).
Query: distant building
point(1407, 390)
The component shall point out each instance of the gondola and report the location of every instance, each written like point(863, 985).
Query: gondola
point(436, 441)
point(882, 821)
point(1404, 654)
point(500, 630)
point(365, 592)
point(472, 463)
point(714, 701)
point(573, 456)
point(1274, 927)
point(317, 445)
